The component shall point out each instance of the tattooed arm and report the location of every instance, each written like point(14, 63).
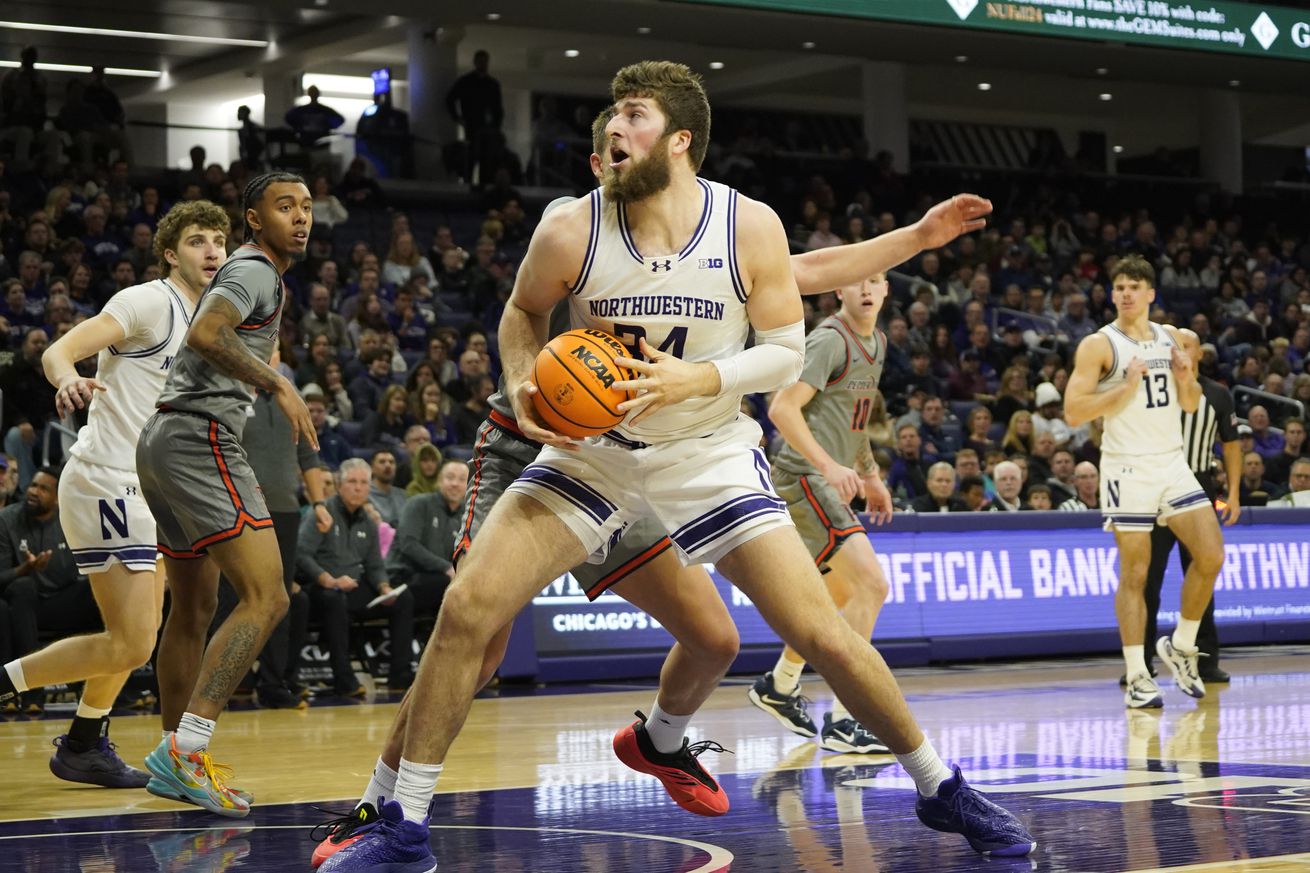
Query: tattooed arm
point(214, 337)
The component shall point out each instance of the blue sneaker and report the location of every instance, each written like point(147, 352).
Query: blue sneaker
point(959, 809)
point(392, 845)
point(99, 765)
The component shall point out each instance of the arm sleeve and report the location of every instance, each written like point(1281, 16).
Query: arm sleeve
point(1225, 412)
point(774, 362)
point(306, 456)
point(825, 357)
point(250, 285)
point(409, 541)
point(307, 548)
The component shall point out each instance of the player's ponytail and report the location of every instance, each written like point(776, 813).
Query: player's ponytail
point(255, 189)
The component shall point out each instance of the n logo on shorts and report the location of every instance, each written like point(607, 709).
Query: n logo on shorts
point(1112, 490)
point(108, 517)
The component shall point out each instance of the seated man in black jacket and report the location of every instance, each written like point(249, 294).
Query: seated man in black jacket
point(344, 572)
point(941, 491)
point(425, 539)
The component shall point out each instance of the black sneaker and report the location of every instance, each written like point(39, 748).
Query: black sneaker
point(99, 765)
point(848, 735)
point(788, 709)
point(277, 697)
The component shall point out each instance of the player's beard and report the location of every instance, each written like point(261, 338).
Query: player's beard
point(641, 179)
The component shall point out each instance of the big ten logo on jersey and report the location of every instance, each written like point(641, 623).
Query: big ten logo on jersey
point(711, 263)
point(114, 516)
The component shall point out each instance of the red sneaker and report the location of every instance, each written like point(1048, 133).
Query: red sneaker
point(684, 778)
point(343, 830)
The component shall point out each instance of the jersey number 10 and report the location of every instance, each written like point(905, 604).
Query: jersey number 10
point(1160, 396)
point(863, 407)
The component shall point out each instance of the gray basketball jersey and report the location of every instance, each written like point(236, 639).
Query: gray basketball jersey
point(249, 281)
point(845, 368)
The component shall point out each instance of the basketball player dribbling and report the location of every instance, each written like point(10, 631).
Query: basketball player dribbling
point(106, 521)
point(1134, 374)
point(826, 462)
point(684, 454)
point(209, 508)
point(640, 567)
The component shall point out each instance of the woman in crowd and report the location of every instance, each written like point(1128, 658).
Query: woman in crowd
point(385, 427)
point(1019, 435)
point(423, 469)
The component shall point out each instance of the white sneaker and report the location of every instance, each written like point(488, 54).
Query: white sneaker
point(1142, 692)
point(1183, 665)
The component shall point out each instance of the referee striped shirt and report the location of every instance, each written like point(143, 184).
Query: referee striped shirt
point(1215, 420)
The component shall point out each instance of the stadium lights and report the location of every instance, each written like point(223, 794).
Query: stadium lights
point(716, 65)
point(808, 44)
point(984, 86)
point(962, 59)
point(1102, 71)
point(86, 68)
point(643, 30)
point(1234, 83)
point(571, 53)
point(131, 34)
point(1118, 150)
point(1107, 97)
point(493, 16)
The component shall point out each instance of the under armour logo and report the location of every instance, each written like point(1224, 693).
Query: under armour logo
point(131, 490)
point(656, 266)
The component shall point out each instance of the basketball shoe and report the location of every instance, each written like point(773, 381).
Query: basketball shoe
point(959, 809)
point(1183, 665)
point(99, 765)
point(687, 782)
point(788, 709)
point(339, 832)
point(193, 778)
point(848, 735)
point(1142, 692)
point(391, 844)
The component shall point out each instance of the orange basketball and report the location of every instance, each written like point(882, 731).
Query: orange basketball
point(574, 375)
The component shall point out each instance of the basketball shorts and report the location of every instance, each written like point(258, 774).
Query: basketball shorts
point(710, 494)
point(822, 518)
point(1139, 491)
point(500, 455)
point(105, 518)
point(199, 485)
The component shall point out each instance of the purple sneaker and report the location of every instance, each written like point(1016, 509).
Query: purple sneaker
point(98, 766)
point(959, 809)
point(393, 845)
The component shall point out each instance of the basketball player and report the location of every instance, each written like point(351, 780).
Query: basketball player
point(683, 455)
point(203, 494)
point(106, 521)
point(1134, 374)
point(825, 463)
point(641, 567)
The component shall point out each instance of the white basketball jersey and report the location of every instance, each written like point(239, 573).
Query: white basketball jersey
point(1150, 424)
point(155, 317)
point(691, 304)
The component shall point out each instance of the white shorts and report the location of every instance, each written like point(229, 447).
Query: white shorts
point(710, 493)
point(105, 518)
point(1137, 491)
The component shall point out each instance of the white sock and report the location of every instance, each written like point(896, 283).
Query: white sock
point(1135, 660)
point(839, 712)
point(84, 711)
point(666, 731)
point(786, 675)
point(1184, 638)
point(415, 785)
point(15, 670)
point(194, 733)
point(166, 735)
point(926, 768)
point(382, 784)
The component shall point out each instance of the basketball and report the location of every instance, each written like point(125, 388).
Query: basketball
point(574, 375)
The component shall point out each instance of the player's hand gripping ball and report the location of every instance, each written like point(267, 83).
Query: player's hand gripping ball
point(574, 375)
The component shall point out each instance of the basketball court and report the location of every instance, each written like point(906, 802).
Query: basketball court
point(1222, 784)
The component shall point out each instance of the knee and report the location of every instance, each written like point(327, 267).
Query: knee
point(1209, 560)
point(461, 617)
point(271, 601)
point(719, 646)
point(128, 651)
point(830, 650)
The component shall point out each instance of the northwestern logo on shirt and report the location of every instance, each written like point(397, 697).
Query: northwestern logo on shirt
point(656, 304)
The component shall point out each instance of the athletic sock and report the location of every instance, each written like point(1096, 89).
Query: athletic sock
point(89, 725)
point(193, 733)
point(1135, 661)
point(926, 768)
point(666, 731)
point(787, 675)
point(415, 785)
point(165, 736)
point(839, 712)
point(1184, 638)
point(13, 682)
point(381, 784)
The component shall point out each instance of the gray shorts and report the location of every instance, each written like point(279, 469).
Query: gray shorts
point(197, 483)
point(499, 456)
point(823, 520)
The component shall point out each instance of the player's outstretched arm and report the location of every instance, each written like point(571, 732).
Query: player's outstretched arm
point(823, 270)
point(555, 255)
point(74, 391)
point(213, 336)
point(1082, 403)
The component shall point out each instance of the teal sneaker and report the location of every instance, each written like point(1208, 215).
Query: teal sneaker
point(193, 778)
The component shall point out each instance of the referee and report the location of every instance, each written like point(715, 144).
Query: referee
point(1215, 416)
